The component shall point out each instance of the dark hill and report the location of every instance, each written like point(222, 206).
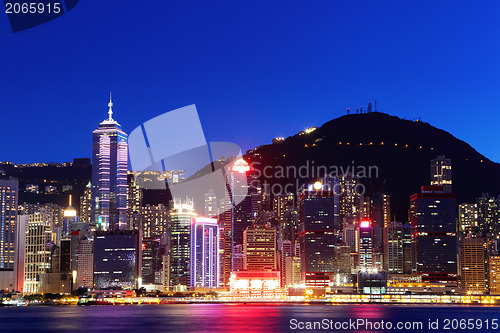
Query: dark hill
point(401, 149)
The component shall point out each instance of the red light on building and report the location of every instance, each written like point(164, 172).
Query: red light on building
point(365, 224)
point(241, 166)
point(143, 246)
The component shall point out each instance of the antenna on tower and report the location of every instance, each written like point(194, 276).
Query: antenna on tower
point(361, 109)
point(110, 111)
point(376, 106)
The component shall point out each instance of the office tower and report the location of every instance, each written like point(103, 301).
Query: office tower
point(204, 253)
point(9, 191)
point(347, 199)
point(441, 173)
point(342, 260)
point(407, 249)
point(40, 239)
point(292, 271)
point(134, 202)
point(285, 213)
point(365, 245)
point(434, 244)
point(381, 215)
point(117, 259)
point(70, 220)
point(181, 218)
point(109, 174)
point(494, 274)
point(151, 259)
point(211, 204)
point(316, 237)
point(259, 248)
point(154, 220)
point(64, 256)
point(244, 214)
point(286, 250)
point(20, 250)
point(85, 264)
point(86, 205)
point(351, 236)
point(238, 258)
point(488, 215)
point(225, 230)
point(472, 265)
point(467, 219)
point(393, 247)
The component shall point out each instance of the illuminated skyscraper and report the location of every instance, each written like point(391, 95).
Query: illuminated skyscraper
point(494, 274)
point(441, 173)
point(434, 241)
point(467, 219)
point(259, 248)
point(205, 253)
point(86, 204)
point(365, 245)
point(381, 215)
point(316, 238)
point(109, 174)
point(181, 218)
point(488, 215)
point(40, 239)
point(473, 265)
point(393, 247)
point(9, 191)
point(117, 258)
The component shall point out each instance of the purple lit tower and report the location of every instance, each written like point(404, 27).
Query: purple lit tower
point(109, 174)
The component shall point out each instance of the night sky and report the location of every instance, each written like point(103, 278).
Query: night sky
point(255, 69)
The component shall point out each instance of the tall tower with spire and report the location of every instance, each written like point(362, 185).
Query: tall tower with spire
point(109, 174)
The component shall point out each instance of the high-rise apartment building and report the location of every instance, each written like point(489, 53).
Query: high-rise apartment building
point(109, 174)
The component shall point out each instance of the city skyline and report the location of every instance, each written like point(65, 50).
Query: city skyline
point(303, 72)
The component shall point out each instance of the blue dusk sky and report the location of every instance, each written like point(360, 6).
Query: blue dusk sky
point(255, 69)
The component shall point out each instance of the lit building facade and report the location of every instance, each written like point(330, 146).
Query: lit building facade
point(393, 247)
point(205, 253)
point(9, 192)
point(117, 259)
point(434, 235)
point(181, 219)
point(316, 238)
point(109, 175)
point(365, 245)
point(259, 284)
point(494, 274)
point(467, 219)
point(259, 248)
point(473, 265)
point(441, 173)
point(40, 240)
